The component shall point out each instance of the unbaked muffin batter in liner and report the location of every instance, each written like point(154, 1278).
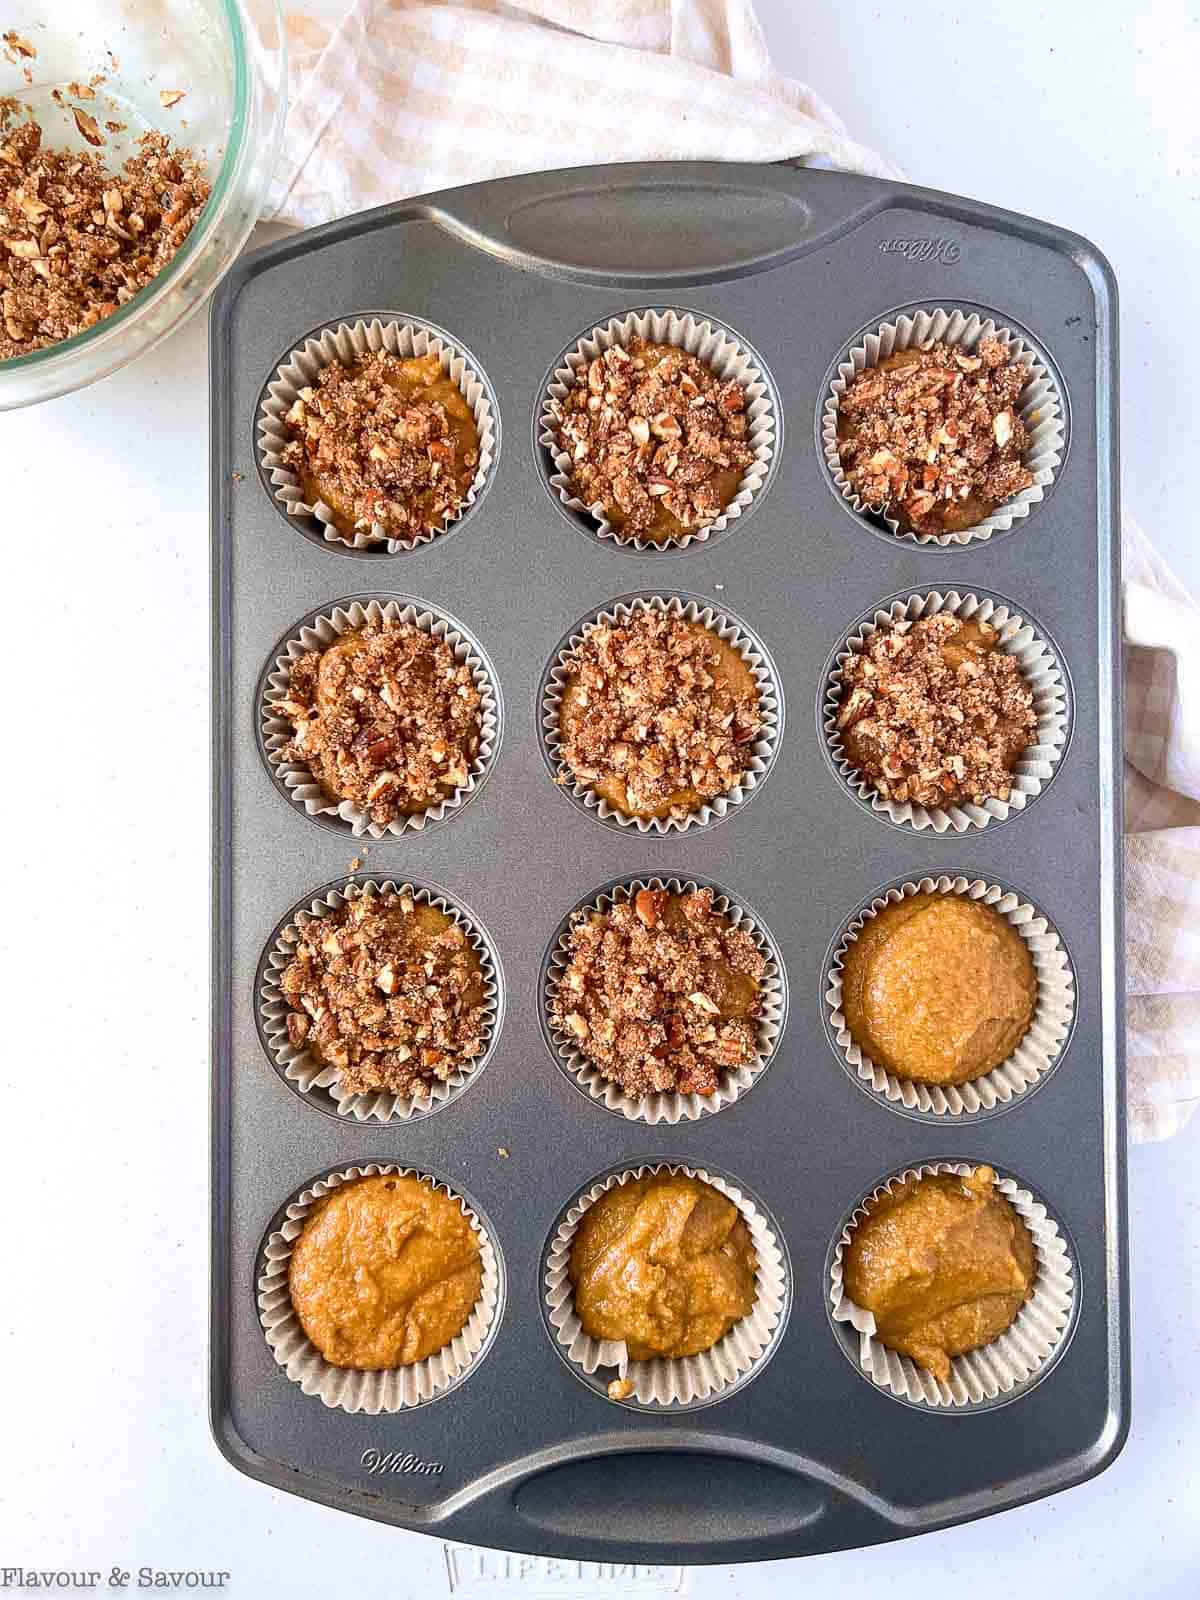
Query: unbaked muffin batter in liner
point(728, 358)
point(348, 342)
point(1042, 671)
point(1037, 1052)
point(763, 749)
point(669, 1107)
point(395, 1388)
point(686, 1381)
point(996, 1369)
point(318, 632)
point(307, 1074)
point(1039, 405)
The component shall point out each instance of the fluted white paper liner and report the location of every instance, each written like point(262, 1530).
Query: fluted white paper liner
point(347, 343)
point(1054, 1007)
point(720, 350)
point(307, 1073)
point(1039, 406)
point(305, 793)
point(995, 1369)
point(1042, 672)
point(666, 1106)
point(762, 751)
point(686, 1380)
point(396, 1388)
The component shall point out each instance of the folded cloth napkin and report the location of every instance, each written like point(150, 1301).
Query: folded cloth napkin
point(399, 99)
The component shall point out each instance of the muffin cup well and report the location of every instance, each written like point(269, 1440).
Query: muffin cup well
point(1037, 1052)
point(347, 342)
point(317, 632)
point(1041, 668)
point(981, 1376)
point(394, 1388)
point(668, 1107)
point(318, 1080)
point(722, 351)
point(1039, 404)
point(732, 632)
point(686, 1381)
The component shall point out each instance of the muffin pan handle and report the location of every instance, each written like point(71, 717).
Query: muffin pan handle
point(592, 224)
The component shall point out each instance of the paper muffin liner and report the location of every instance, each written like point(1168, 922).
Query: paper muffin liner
point(719, 348)
point(392, 1389)
point(1037, 1052)
point(318, 632)
point(347, 342)
point(669, 1107)
point(308, 1075)
point(732, 632)
point(1015, 1358)
point(685, 1381)
point(1039, 405)
point(1040, 666)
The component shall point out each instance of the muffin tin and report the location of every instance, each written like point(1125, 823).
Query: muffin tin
point(804, 1453)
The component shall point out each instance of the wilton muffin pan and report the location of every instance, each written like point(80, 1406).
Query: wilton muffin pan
point(801, 1437)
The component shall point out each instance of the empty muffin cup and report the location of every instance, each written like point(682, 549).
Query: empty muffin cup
point(719, 349)
point(1019, 637)
point(1039, 406)
point(667, 1107)
point(318, 1081)
point(322, 629)
point(348, 342)
point(1011, 1363)
point(679, 1383)
point(1038, 1050)
point(732, 632)
point(348, 1389)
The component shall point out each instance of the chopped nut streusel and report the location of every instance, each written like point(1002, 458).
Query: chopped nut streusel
point(932, 712)
point(659, 714)
point(388, 991)
point(655, 436)
point(77, 240)
point(933, 435)
point(389, 441)
point(385, 717)
point(661, 993)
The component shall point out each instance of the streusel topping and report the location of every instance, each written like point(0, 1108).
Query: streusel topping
point(388, 991)
point(388, 441)
point(661, 993)
point(934, 435)
point(659, 714)
point(932, 712)
point(385, 717)
point(655, 437)
point(77, 239)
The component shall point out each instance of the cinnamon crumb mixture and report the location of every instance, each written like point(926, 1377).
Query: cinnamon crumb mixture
point(652, 430)
point(934, 713)
point(388, 441)
point(933, 434)
point(661, 993)
point(659, 714)
point(385, 717)
point(387, 991)
point(78, 240)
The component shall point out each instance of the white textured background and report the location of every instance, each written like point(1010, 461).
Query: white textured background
point(1080, 112)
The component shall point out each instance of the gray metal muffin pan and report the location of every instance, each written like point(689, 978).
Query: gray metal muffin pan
point(809, 1456)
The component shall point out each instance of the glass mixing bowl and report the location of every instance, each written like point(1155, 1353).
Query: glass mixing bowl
point(228, 58)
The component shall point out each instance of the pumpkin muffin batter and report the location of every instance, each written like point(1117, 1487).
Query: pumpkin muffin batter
point(938, 988)
point(388, 442)
point(386, 1272)
point(944, 1264)
point(665, 1263)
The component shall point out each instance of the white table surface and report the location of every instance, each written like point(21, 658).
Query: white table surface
point(108, 1461)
